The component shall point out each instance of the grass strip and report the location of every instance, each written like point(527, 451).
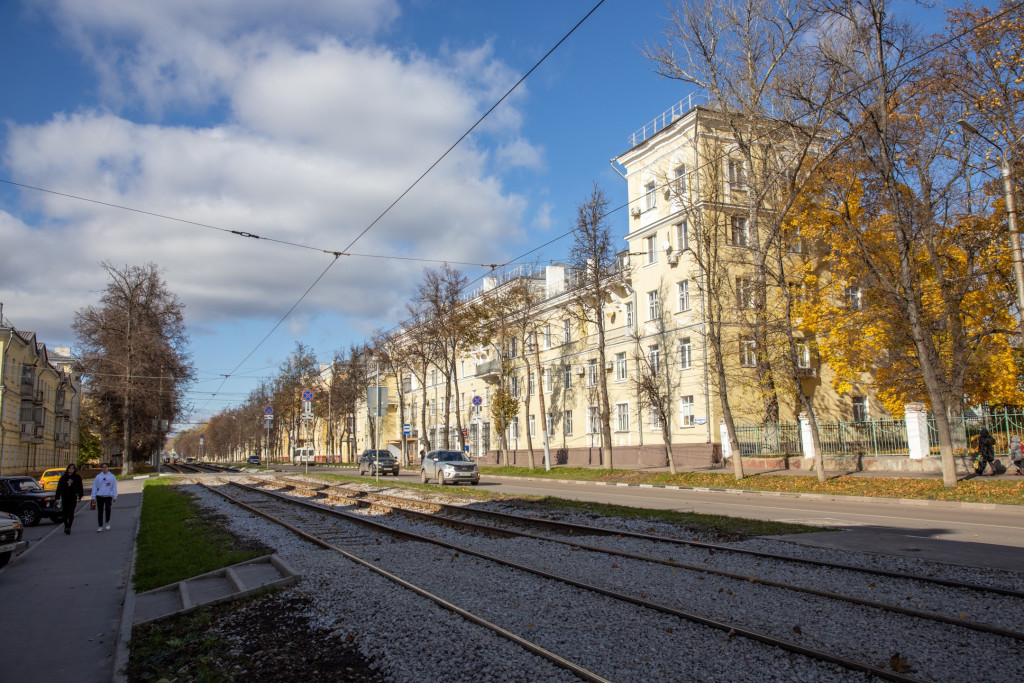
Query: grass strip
point(178, 539)
point(1000, 491)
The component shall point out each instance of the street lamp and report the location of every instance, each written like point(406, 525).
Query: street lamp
point(1011, 213)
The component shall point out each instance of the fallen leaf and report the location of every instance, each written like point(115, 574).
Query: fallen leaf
point(796, 629)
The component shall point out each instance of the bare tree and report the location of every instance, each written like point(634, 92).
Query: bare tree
point(135, 355)
point(592, 258)
point(654, 382)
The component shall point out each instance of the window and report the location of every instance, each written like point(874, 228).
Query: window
point(797, 292)
point(655, 419)
point(622, 417)
point(621, 370)
point(651, 249)
point(513, 348)
point(796, 244)
point(433, 376)
point(650, 198)
point(737, 175)
point(686, 411)
point(463, 363)
point(530, 383)
point(679, 179)
point(654, 358)
point(547, 336)
point(487, 396)
point(685, 354)
point(682, 236)
point(432, 407)
point(515, 386)
point(550, 424)
point(803, 355)
point(513, 427)
point(748, 352)
point(566, 376)
point(740, 233)
point(653, 309)
point(547, 380)
point(592, 372)
point(532, 426)
point(566, 331)
point(860, 409)
point(683, 289)
point(853, 298)
point(744, 292)
point(593, 420)
point(629, 314)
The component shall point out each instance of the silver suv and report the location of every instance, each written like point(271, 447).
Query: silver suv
point(449, 467)
point(382, 461)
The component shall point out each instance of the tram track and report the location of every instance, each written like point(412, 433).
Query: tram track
point(650, 605)
point(573, 534)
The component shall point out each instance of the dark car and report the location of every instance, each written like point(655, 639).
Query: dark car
point(11, 530)
point(253, 460)
point(449, 467)
point(24, 497)
point(372, 462)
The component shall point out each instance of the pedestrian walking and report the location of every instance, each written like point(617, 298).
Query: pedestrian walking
point(986, 452)
point(1017, 454)
point(69, 492)
point(104, 492)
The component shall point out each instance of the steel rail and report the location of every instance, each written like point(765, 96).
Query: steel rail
point(557, 660)
point(716, 547)
point(730, 629)
point(476, 526)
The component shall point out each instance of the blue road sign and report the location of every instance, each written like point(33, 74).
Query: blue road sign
point(477, 401)
point(407, 429)
point(268, 411)
point(307, 395)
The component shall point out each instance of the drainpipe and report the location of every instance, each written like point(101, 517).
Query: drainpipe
point(636, 351)
point(703, 314)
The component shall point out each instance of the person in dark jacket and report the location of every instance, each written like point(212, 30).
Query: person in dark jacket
point(69, 492)
point(986, 452)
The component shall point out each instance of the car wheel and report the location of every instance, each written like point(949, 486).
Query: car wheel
point(423, 476)
point(29, 514)
point(440, 478)
point(5, 558)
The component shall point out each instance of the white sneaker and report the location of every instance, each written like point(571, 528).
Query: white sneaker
point(107, 527)
point(99, 530)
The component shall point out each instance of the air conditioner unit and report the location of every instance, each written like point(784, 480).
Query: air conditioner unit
point(668, 192)
point(580, 370)
point(635, 212)
point(673, 258)
point(608, 365)
point(666, 247)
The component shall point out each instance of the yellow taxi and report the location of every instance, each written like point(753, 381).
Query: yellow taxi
point(48, 480)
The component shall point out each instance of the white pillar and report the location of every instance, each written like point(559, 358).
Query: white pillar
point(806, 438)
point(726, 446)
point(917, 430)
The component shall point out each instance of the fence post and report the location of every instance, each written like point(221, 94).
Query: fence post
point(726, 446)
point(806, 438)
point(917, 430)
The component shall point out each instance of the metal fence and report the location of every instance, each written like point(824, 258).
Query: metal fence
point(881, 437)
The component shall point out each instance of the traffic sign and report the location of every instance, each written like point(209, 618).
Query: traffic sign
point(268, 411)
point(407, 429)
point(477, 401)
point(307, 395)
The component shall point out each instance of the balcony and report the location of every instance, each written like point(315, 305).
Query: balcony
point(28, 387)
point(489, 370)
point(807, 372)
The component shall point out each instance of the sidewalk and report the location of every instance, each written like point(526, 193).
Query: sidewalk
point(63, 597)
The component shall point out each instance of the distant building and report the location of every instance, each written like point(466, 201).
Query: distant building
point(40, 401)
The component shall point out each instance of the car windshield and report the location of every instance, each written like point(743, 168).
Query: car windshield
point(53, 473)
point(23, 485)
point(451, 456)
point(378, 454)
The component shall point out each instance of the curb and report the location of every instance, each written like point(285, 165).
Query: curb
point(124, 632)
point(781, 494)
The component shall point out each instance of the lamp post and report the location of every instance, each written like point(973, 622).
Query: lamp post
point(1011, 213)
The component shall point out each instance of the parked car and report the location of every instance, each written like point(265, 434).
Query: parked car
point(11, 530)
point(48, 480)
point(24, 497)
point(373, 460)
point(449, 467)
point(253, 460)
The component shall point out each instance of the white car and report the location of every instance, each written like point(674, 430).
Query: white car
point(449, 467)
point(11, 530)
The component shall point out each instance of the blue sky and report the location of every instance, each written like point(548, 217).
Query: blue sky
point(302, 122)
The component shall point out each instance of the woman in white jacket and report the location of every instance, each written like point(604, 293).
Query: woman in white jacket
point(104, 492)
